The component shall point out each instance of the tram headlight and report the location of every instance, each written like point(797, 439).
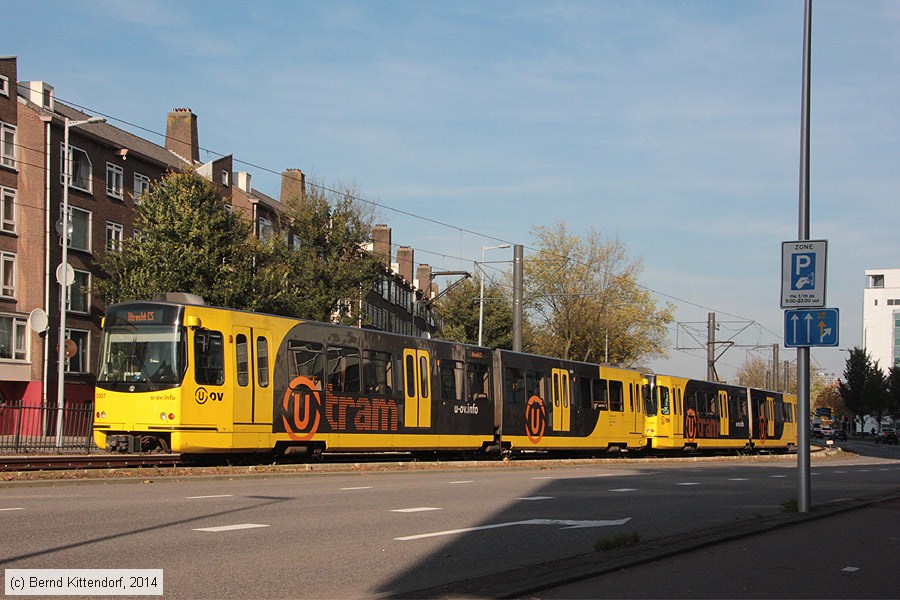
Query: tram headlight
point(167, 416)
point(163, 416)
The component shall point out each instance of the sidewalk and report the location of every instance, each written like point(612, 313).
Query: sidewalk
point(844, 550)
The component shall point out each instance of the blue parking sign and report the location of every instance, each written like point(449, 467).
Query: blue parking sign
point(803, 271)
point(803, 265)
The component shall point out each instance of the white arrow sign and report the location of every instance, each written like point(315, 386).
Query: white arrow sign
point(566, 524)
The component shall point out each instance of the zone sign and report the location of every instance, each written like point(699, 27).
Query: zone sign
point(803, 273)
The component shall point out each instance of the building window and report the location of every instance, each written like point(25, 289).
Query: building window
point(7, 275)
point(81, 229)
point(141, 186)
point(7, 145)
point(115, 180)
point(264, 229)
point(225, 178)
point(114, 235)
point(81, 359)
point(79, 293)
point(4, 85)
point(7, 210)
point(81, 168)
point(13, 338)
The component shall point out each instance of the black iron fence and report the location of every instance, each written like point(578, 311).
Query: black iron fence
point(37, 429)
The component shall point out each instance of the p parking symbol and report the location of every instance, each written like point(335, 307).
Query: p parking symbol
point(803, 271)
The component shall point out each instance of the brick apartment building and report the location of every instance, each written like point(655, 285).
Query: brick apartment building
point(111, 168)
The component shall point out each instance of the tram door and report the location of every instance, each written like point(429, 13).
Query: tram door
point(562, 400)
point(724, 410)
point(417, 391)
point(242, 378)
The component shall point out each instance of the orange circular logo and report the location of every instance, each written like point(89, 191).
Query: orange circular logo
point(535, 419)
point(690, 425)
point(299, 398)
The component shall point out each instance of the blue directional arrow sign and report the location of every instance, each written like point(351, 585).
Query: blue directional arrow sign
point(813, 327)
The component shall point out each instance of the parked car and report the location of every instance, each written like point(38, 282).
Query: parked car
point(817, 433)
point(888, 435)
point(839, 434)
point(827, 431)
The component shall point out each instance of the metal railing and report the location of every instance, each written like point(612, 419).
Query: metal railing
point(33, 429)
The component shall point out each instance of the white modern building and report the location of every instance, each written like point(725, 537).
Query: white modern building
point(881, 317)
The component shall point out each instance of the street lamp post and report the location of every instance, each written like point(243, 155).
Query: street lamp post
point(62, 274)
point(481, 295)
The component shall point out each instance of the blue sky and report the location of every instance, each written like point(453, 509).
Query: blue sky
point(674, 125)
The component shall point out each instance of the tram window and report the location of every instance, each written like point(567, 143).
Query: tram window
point(209, 357)
point(343, 369)
point(556, 389)
point(308, 361)
point(664, 404)
point(262, 361)
point(514, 385)
point(423, 377)
point(241, 360)
point(410, 375)
point(734, 408)
point(478, 381)
point(616, 396)
point(534, 381)
point(584, 392)
point(450, 372)
point(600, 394)
point(565, 392)
point(690, 401)
point(779, 411)
point(378, 376)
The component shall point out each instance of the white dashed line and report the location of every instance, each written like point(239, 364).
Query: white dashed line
point(459, 482)
point(688, 483)
point(362, 487)
point(739, 479)
point(17, 508)
point(231, 527)
point(414, 510)
point(624, 490)
point(203, 497)
point(536, 498)
point(777, 476)
point(850, 569)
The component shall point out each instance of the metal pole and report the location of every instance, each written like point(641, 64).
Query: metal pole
point(63, 285)
point(518, 284)
point(711, 347)
point(63, 274)
point(803, 493)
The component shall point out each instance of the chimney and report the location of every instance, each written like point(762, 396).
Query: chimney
point(423, 279)
point(293, 185)
point(381, 238)
point(405, 262)
point(181, 134)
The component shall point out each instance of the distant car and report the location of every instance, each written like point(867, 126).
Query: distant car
point(839, 434)
point(827, 431)
point(817, 433)
point(888, 435)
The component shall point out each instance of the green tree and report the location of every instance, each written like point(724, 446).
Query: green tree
point(188, 243)
point(459, 313)
point(863, 386)
point(584, 298)
point(326, 271)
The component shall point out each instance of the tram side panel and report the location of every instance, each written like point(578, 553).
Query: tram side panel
point(352, 389)
point(553, 404)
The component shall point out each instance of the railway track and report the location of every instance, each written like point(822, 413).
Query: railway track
point(62, 462)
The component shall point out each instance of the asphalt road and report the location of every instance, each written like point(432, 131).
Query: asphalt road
point(370, 534)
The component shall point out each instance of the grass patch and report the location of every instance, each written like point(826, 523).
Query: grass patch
point(789, 506)
point(617, 541)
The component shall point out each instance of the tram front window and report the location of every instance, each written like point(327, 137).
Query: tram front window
point(650, 400)
point(141, 357)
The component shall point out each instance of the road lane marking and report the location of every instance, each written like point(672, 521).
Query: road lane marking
point(458, 482)
point(536, 498)
point(231, 527)
point(414, 510)
point(687, 483)
point(850, 569)
point(624, 490)
point(215, 496)
point(17, 508)
point(362, 487)
point(777, 476)
point(738, 479)
point(544, 477)
point(564, 523)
